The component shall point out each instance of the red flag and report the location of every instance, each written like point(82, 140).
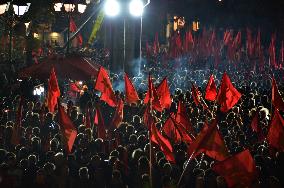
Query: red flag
point(53, 91)
point(88, 118)
point(131, 95)
point(281, 56)
point(73, 29)
point(118, 114)
point(171, 131)
point(182, 118)
point(196, 95)
point(211, 89)
point(256, 127)
point(258, 44)
point(103, 85)
point(276, 100)
point(237, 41)
point(74, 87)
point(67, 128)
point(156, 45)
point(227, 37)
point(238, 170)
point(99, 121)
point(152, 96)
point(147, 117)
point(164, 94)
point(161, 141)
point(18, 124)
point(228, 95)
point(249, 43)
point(272, 52)
point(210, 142)
point(275, 134)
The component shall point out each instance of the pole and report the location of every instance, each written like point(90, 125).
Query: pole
point(68, 34)
point(185, 168)
point(124, 42)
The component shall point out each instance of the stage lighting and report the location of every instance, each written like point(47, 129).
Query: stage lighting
point(112, 8)
point(136, 8)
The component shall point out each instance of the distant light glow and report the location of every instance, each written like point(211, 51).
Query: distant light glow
point(112, 8)
point(57, 7)
point(136, 8)
point(3, 8)
point(69, 7)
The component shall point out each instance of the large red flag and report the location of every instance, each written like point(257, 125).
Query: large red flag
point(18, 124)
point(99, 121)
point(183, 119)
point(211, 89)
point(53, 91)
point(152, 96)
point(161, 141)
point(196, 95)
point(103, 85)
point(275, 134)
point(228, 95)
point(67, 128)
point(238, 170)
point(118, 114)
point(276, 100)
point(211, 142)
point(164, 94)
point(131, 95)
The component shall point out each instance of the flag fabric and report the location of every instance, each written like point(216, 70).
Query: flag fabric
point(73, 29)
point(118, 114)
point(228, 95)
point(210, 142)
point(99, 122)
point(182, 118)
point(67, 128)
point(152, 96)
point(211, 89)
point(276, 100)
point(156, 45)
point(238, 170)
point(237, 41)
point(196, 95)
point(88, 118)
point(131, 95)
point(162, 142)
point(171, 131)
point(272, 51)
point(18, 124)
point(103, 84)
point(53, 91)
point(147, 117)
point(164, 94)
point(275, 134)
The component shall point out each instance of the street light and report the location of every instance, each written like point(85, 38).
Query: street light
point(112, 8)
point(17, 7)
point(69, 7)
point(136, 8)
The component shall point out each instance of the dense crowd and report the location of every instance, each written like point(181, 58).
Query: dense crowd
point(122, 160)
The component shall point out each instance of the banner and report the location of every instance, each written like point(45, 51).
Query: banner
point(97, 26)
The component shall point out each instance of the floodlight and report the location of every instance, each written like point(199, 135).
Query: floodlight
point(136, 8)
point(3, 6)
point(112, 8)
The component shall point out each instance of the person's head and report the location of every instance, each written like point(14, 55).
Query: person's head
point(84, 173)
point(32, 159)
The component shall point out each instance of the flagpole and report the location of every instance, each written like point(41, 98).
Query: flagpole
point(185, 168)
point(150, 131)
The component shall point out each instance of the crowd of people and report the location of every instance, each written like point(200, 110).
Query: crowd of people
point(123, 158)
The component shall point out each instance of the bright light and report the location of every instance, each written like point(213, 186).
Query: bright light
point(112, 8)
point(41, 89)
point(57, 7)
point(20, 10)
point(69, 7)
point(88, 1)
point(3, 8)
point(136, 8)
point(80, 82)
point(82, 8)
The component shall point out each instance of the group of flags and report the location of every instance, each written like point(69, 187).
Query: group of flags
point(207, 44)
point(239, 168)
